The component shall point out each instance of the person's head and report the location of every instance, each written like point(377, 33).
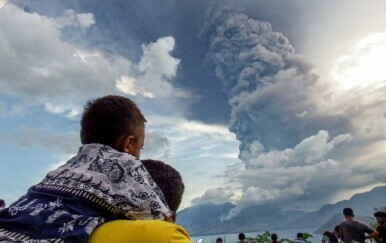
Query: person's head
point(168, 180)
point(348, 212)
point(241, 236)
point(328, 234)
point(299, 235)
point(219, 240)
point(115, 121)
point(2, 203)
point(274, 237)
point(336, 230)
point(380, 216)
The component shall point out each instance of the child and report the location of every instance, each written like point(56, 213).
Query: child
point(103, 182)
point(144, 231)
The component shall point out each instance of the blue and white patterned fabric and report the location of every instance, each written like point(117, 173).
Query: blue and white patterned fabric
point(99, 184)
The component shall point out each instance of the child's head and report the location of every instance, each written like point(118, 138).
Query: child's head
point(115, 121)
point(169, 181)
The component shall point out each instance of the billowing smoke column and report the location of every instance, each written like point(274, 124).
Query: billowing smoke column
point(287, 144)
point(268, 85)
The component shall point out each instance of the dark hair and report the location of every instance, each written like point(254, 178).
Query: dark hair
point(219, 239)
point(380, 214)
point(2, 203)
point(336, 228)
point(274, 237)
point(169, 181)
point(332, 238)
point(299, 235)
point(348, 212)
point(241, 236)
point(108, 118)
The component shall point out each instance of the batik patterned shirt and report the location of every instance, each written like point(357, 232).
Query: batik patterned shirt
point(99, 184)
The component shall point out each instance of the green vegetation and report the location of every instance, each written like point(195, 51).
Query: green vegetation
point(263, 238)
point(266, 238)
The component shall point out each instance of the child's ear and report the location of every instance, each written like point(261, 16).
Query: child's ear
point(127, 143)
point(174, 217)
point(171, 219)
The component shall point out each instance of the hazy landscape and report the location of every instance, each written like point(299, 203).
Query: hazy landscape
point(206, 219)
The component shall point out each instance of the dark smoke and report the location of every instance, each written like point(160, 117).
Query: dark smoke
point(269, 86)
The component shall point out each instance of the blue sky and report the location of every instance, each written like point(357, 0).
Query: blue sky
point(254, 102)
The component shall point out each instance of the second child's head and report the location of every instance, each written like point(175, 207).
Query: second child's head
point(169, 181)
point(115, 121)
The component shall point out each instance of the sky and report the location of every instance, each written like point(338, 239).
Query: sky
point(253, 101)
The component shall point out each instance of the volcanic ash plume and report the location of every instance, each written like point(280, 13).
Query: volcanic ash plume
point(269, 87)
point(273, 94)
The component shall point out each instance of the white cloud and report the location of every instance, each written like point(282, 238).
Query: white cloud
point(250, 197)
point(68, 110)
point(128, 86)
point(303, 114)
point(307, 170)
point(157, 66)
point(85, 20)
point(182, 126)
point(194, 126)
point(362, 64)
point(157, 59)
point(42, 68)
point(310, 151)
point(215, 196)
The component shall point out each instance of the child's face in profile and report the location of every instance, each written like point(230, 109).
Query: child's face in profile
point(138, 142)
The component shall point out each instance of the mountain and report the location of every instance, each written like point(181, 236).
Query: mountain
point(337, 218)
point(205, 219)
point(361, 203)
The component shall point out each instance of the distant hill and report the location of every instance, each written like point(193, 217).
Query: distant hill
point(205, 219)
point(337, 218)
point(361, 203)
